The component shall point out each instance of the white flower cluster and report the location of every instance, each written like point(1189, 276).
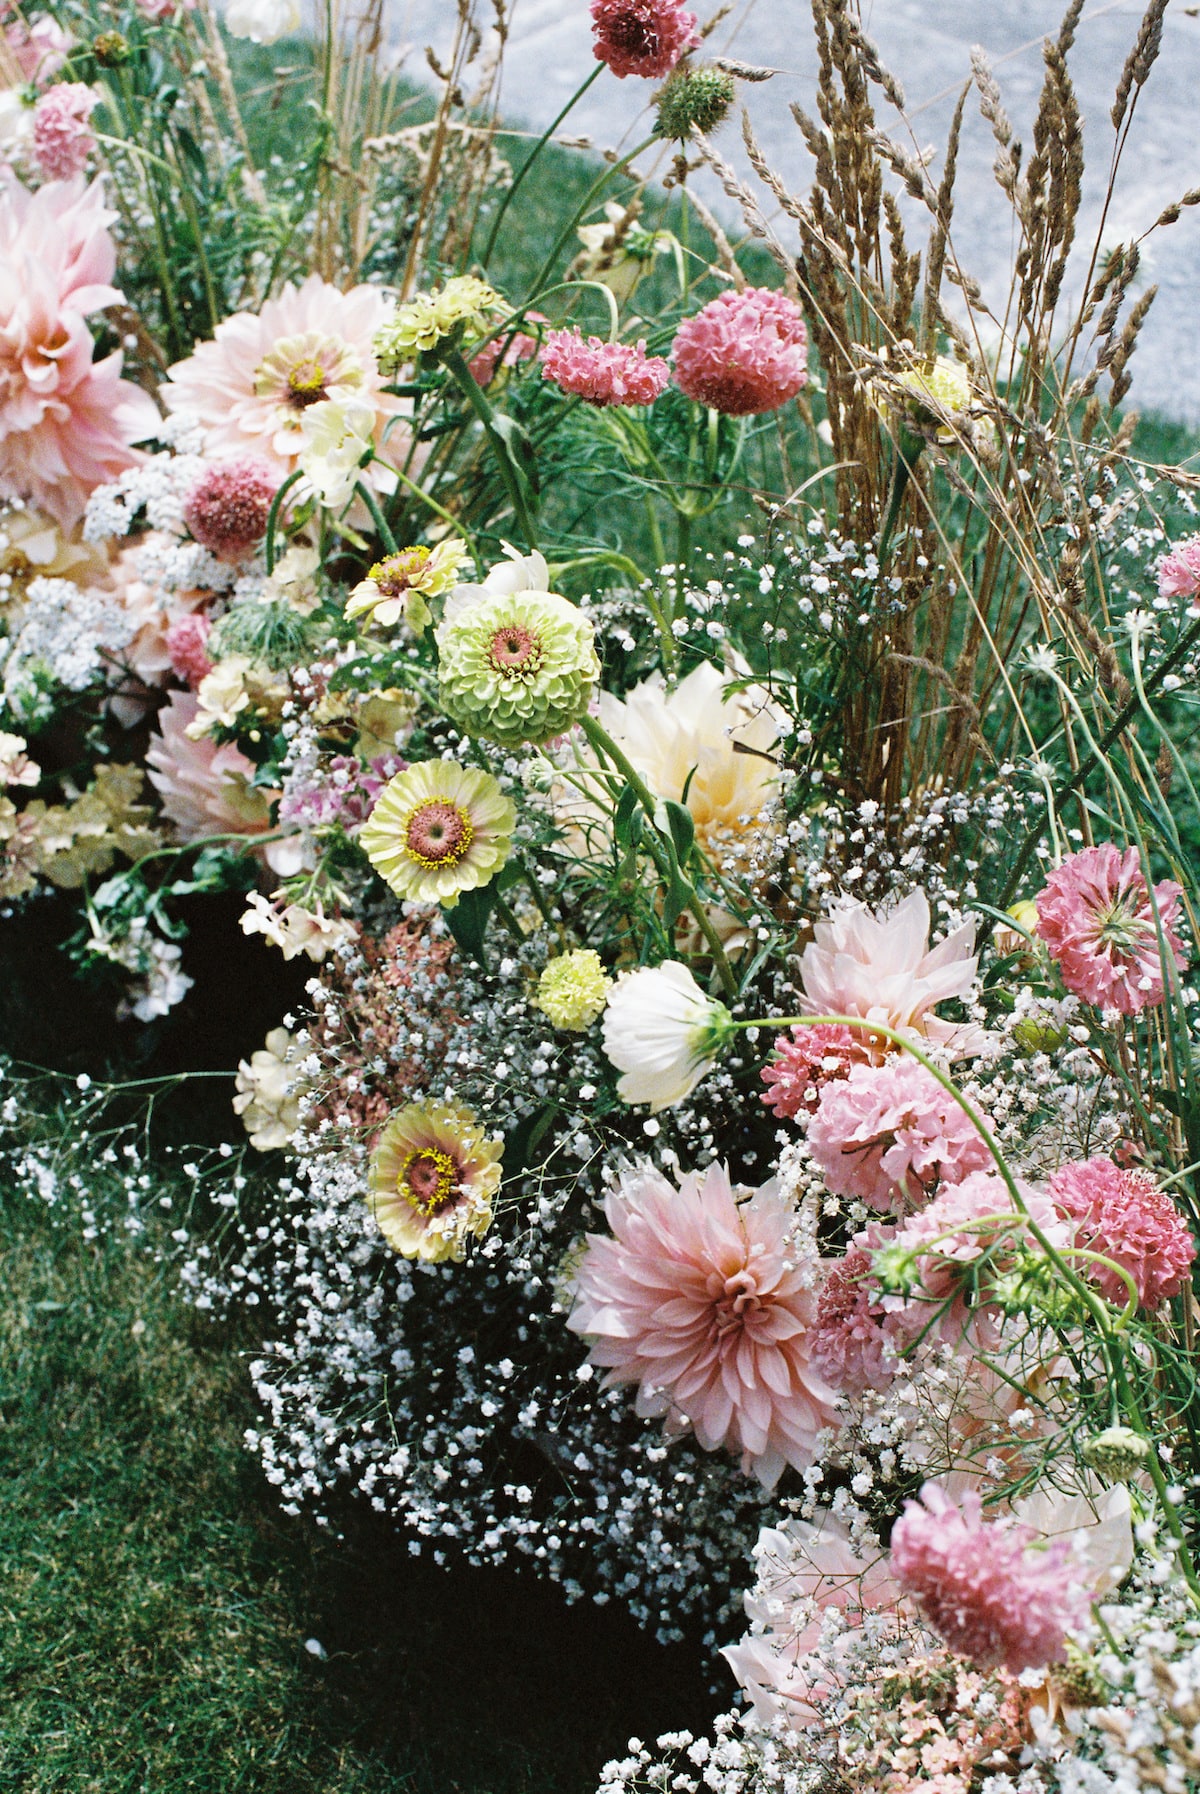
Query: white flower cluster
point(59, 639)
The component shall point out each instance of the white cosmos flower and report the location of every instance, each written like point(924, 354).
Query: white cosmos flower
point(262, 21)
point(663, 1033)
point(337, 434)
point(516, 573)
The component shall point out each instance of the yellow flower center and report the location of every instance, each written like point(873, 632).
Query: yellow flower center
point(400, 571)
point(438, 834)
point(306, 384)
point(427, 1180)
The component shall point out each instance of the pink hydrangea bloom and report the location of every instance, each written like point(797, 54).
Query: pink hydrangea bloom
point(185, 648)
point(642, 37)
point(62, 136)
point(849, 1339)
point(887, 1133)
point(1125, 1216)
point(603, 373)
point(228, 507)
point(1179, 571)
point(980, 1586)
point(745, 352)
point(203, 789)
point(66, 422)
point(804, 1062)
point(698, 1299)
point(1097, 920)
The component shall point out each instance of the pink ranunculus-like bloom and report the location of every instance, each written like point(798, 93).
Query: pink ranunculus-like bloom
point(849, 1340)
point(228, 507)
point(744, 353)
point(642, 37)
point(887, 1133)
point(251, 385)
point(185, 648)
point(505, 351)
point(67, 422)
point(698, 1299)
point(204, 789)
point(879, 965)
point(805, 1061)
point(1097, 920)
point(1179, 571)
point(39, 46)
point(1126, 1217)
point(980, 1586)
point(603, 373)
point(62, 136)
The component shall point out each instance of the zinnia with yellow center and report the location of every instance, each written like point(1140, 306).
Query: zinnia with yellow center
point(439, 829)
point(400, 585)
point(432, 1178)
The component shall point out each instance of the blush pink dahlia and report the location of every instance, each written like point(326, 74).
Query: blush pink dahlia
point(1096, 917)
point(641, 37)
point(744, 353)
point(228, 507)
point(698, 1299)
point(887, 1133)
point(1126, 1217)
point(982, 1588)
point(203, 789)
point(603, 373)
point(62, 136)
point(1179, 571)
point(66, 421)
point(804, 1063)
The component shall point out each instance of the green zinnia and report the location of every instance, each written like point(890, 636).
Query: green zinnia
point(518, 667)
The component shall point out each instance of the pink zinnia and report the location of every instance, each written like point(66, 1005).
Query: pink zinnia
point(887, 1133)
point(185, 646)
point(699, 1300)
point(1097, 920)
point(1179, 571)
point(603, 373)
point(62, 136)
point(849, 1340)
point(1125, 1216)
point(642, 37)
point(228, 507)
point(980, 1586)
point(66, 421)
point(745, 352)
point(804, 1062)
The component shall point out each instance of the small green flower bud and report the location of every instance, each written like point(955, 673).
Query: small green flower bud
point(111, 49)
point(1118, 1453)
point(698, 98)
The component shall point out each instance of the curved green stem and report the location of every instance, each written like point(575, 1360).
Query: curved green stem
point(585, 206)
point(455, 364)
point(532, 157)
point(377, 516)
point(273, 518)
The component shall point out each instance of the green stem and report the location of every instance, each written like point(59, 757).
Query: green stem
point(377, 516)
point(273, 518)
point(455, 364)
point(532, 157)
point(589, 198)
point(908, 453)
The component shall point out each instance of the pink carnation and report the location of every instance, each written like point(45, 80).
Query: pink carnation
point(849, 1340)
point(62, 137)
point(699, 1300)
point(887, 1133)
point(1179, 571)
point(803, 1063)
point(66, 421)
point(642, 37)
point(1097, 920)
point(745, 352)
point(1125, 1216)
point(228, 507)
point(980, 1586)
point(603, 373)
point(185, 646)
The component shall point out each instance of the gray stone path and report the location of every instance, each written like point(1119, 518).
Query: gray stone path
point(926, 43)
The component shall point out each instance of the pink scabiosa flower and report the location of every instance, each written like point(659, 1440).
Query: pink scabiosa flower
point(1097, 920)
point(744, 353)
point(1126, 1217)
point(698, 1299)
point(850, 1337)
point(887, 1133)
point(1179, 571)
point(185, 647)
point(804, 1063)
point(982, 1588)
point(62, 136)
point(641, 37)
point(505, 351)
point(228, 507)
point(603, 373)
point(66, 422)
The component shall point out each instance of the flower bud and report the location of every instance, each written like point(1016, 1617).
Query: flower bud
point(694, 98)
point(1118, 1453)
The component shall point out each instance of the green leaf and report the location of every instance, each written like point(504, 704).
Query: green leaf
point(680, 825)
point(623, 815)
point(467, 921)
point(522, 455)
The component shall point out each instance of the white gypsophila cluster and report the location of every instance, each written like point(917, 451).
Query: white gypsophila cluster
point(172, 565)
point(59, 638)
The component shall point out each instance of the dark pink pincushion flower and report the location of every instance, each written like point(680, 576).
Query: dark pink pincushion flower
point(185, 647)
point(505, 351)
point(228, 507)
point(62, 136)
point(1125, 1216)
point(603, 373)
point(849, 1340)
point(1179, 571)
point(1097, 920)
point(641, 37)
point(744, 353)
point(887, 1133)
point(982, 1588)
point(805, 1061)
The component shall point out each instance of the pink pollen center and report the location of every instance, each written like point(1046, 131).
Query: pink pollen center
point(515, 649)
point(438, 834)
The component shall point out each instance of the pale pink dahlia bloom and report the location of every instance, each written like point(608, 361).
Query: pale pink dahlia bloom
point(642, 37)
point(203, 789)
point(152, 613)
point(603, 373)
point(228, 507)
point(1097, 920)
point(66, 421)
point(980, 1586)
point(745, 352)
point(62, 136)
point(805, 1061)
point(879, 965)
point(698, 1299)
point(39, 45)
point(887, 1133)
point(252, 384)
point(1179, 571)
point(1126, 1217)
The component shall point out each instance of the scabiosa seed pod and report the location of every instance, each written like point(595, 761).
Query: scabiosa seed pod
point(1117, 1453)
point(694, 98)
point(518, 667)
point(111, 49)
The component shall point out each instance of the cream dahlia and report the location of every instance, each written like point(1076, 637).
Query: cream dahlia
point(433, 1175)
point(1097, 918)
point(439, 829)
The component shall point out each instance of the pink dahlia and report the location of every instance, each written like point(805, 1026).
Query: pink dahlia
point(1179, 571)
point(642, 37)
point(698, 1299)
point(1126, 1217)
point(887, 1133)
point(203, 789)
point(603, 373)
point(66, 421)
point(849, 1339)
point(62, 136)
point(745, 352)
point(1096, 917)
point(228, 507)
point(185, 648)
point(251, 385)
point(145, 660)
point(806, 1061)
point(980, 1586)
